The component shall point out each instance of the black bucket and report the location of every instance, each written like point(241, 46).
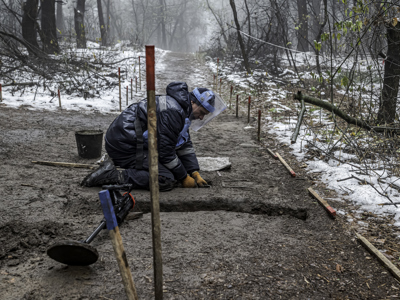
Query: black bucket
point(89, 143)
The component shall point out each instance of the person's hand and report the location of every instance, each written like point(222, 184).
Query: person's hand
point(199, 180)
point(189, 182)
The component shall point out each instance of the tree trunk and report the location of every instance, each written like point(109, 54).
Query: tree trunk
point(60, 18)
point(316, 17)
point(387, 108)
point(302, 32)
point(30, 9)
point(79, 17)
point(241, 43)
point(50, 43)
point(103, 29)
point(163, 31)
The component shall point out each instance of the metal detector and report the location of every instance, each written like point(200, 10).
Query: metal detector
point(75, 253)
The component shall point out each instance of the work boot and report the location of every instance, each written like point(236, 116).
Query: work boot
point(165, 184)
point(105, 174)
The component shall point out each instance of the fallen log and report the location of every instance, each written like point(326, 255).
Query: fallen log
point(64, 164)
point(350, 120)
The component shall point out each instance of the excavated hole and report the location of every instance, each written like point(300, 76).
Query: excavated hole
point(239, 205)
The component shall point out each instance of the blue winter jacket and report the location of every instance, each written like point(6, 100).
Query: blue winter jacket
point(172, 110)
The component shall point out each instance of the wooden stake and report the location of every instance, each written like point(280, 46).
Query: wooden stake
point(328, 208)
point(248, 112)
point(153, 169)
point(237, 106)
point(387, 263)
point(119, 251)
point(220, 85)
point(131, 89)
point(119, 86)
point(230, 98)
point(216, 79)
point(214, 83)
point(259, 124)
point(136, 83)
point(64, 164)
point(1, 93)
point(140, 77)
point(59, 98)
point(286, 165)
point(272, 153)
point(127, 96)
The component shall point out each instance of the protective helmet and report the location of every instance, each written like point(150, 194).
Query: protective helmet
point(211, 101)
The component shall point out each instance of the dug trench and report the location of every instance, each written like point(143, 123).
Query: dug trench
point(256, 234)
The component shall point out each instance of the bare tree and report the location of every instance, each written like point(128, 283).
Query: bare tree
point(302, 26)
point(60, 18)
point(79, 17)
point(241, 43)
point(387, 108)
point(49, 30)
point(103, 29)
point(30, 10)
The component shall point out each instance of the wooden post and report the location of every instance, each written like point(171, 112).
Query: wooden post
point(116, 240)
point(230, 98)
point(59, 98)
point(214, 84)
point(1, 93)
point(220, 85)
point(248, 111)
point(119, 85)
point(237, 106)
point(216, 79)
point(136, 83)
point(131, 88)
point(259, 124)
point(140, 77)
point(153, 168)
point(127, 96)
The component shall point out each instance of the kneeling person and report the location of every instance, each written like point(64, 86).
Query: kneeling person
point(126, 140)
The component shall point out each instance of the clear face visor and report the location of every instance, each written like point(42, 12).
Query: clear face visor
point(212, 110)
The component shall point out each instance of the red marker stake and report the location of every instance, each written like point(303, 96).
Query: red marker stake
point(230, 98)
point(140, 77)
point(153, 170)
point(259, 124)
point(237, 106)
point(1, 94)
point(119, 86)
point(59, 98)
point(136, 83)
point(248, 112)
point(131, 88)
point(126, 96)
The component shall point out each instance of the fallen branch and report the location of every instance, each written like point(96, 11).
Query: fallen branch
point(64, 164)
point(299, 121)
point(350, 120)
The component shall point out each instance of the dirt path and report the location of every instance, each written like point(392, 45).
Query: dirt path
point(256, 234)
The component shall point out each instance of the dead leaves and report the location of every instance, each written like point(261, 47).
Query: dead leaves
point(339, 268)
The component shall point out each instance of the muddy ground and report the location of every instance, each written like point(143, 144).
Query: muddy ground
point(256, 234)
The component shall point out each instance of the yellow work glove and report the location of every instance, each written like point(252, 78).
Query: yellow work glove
point(189, 182)
point(200, 181)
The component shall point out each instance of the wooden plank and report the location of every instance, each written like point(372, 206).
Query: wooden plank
point(286, 165)
point(272, 153)
point(64, 164)
point(387, 263)
point(328, 208)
